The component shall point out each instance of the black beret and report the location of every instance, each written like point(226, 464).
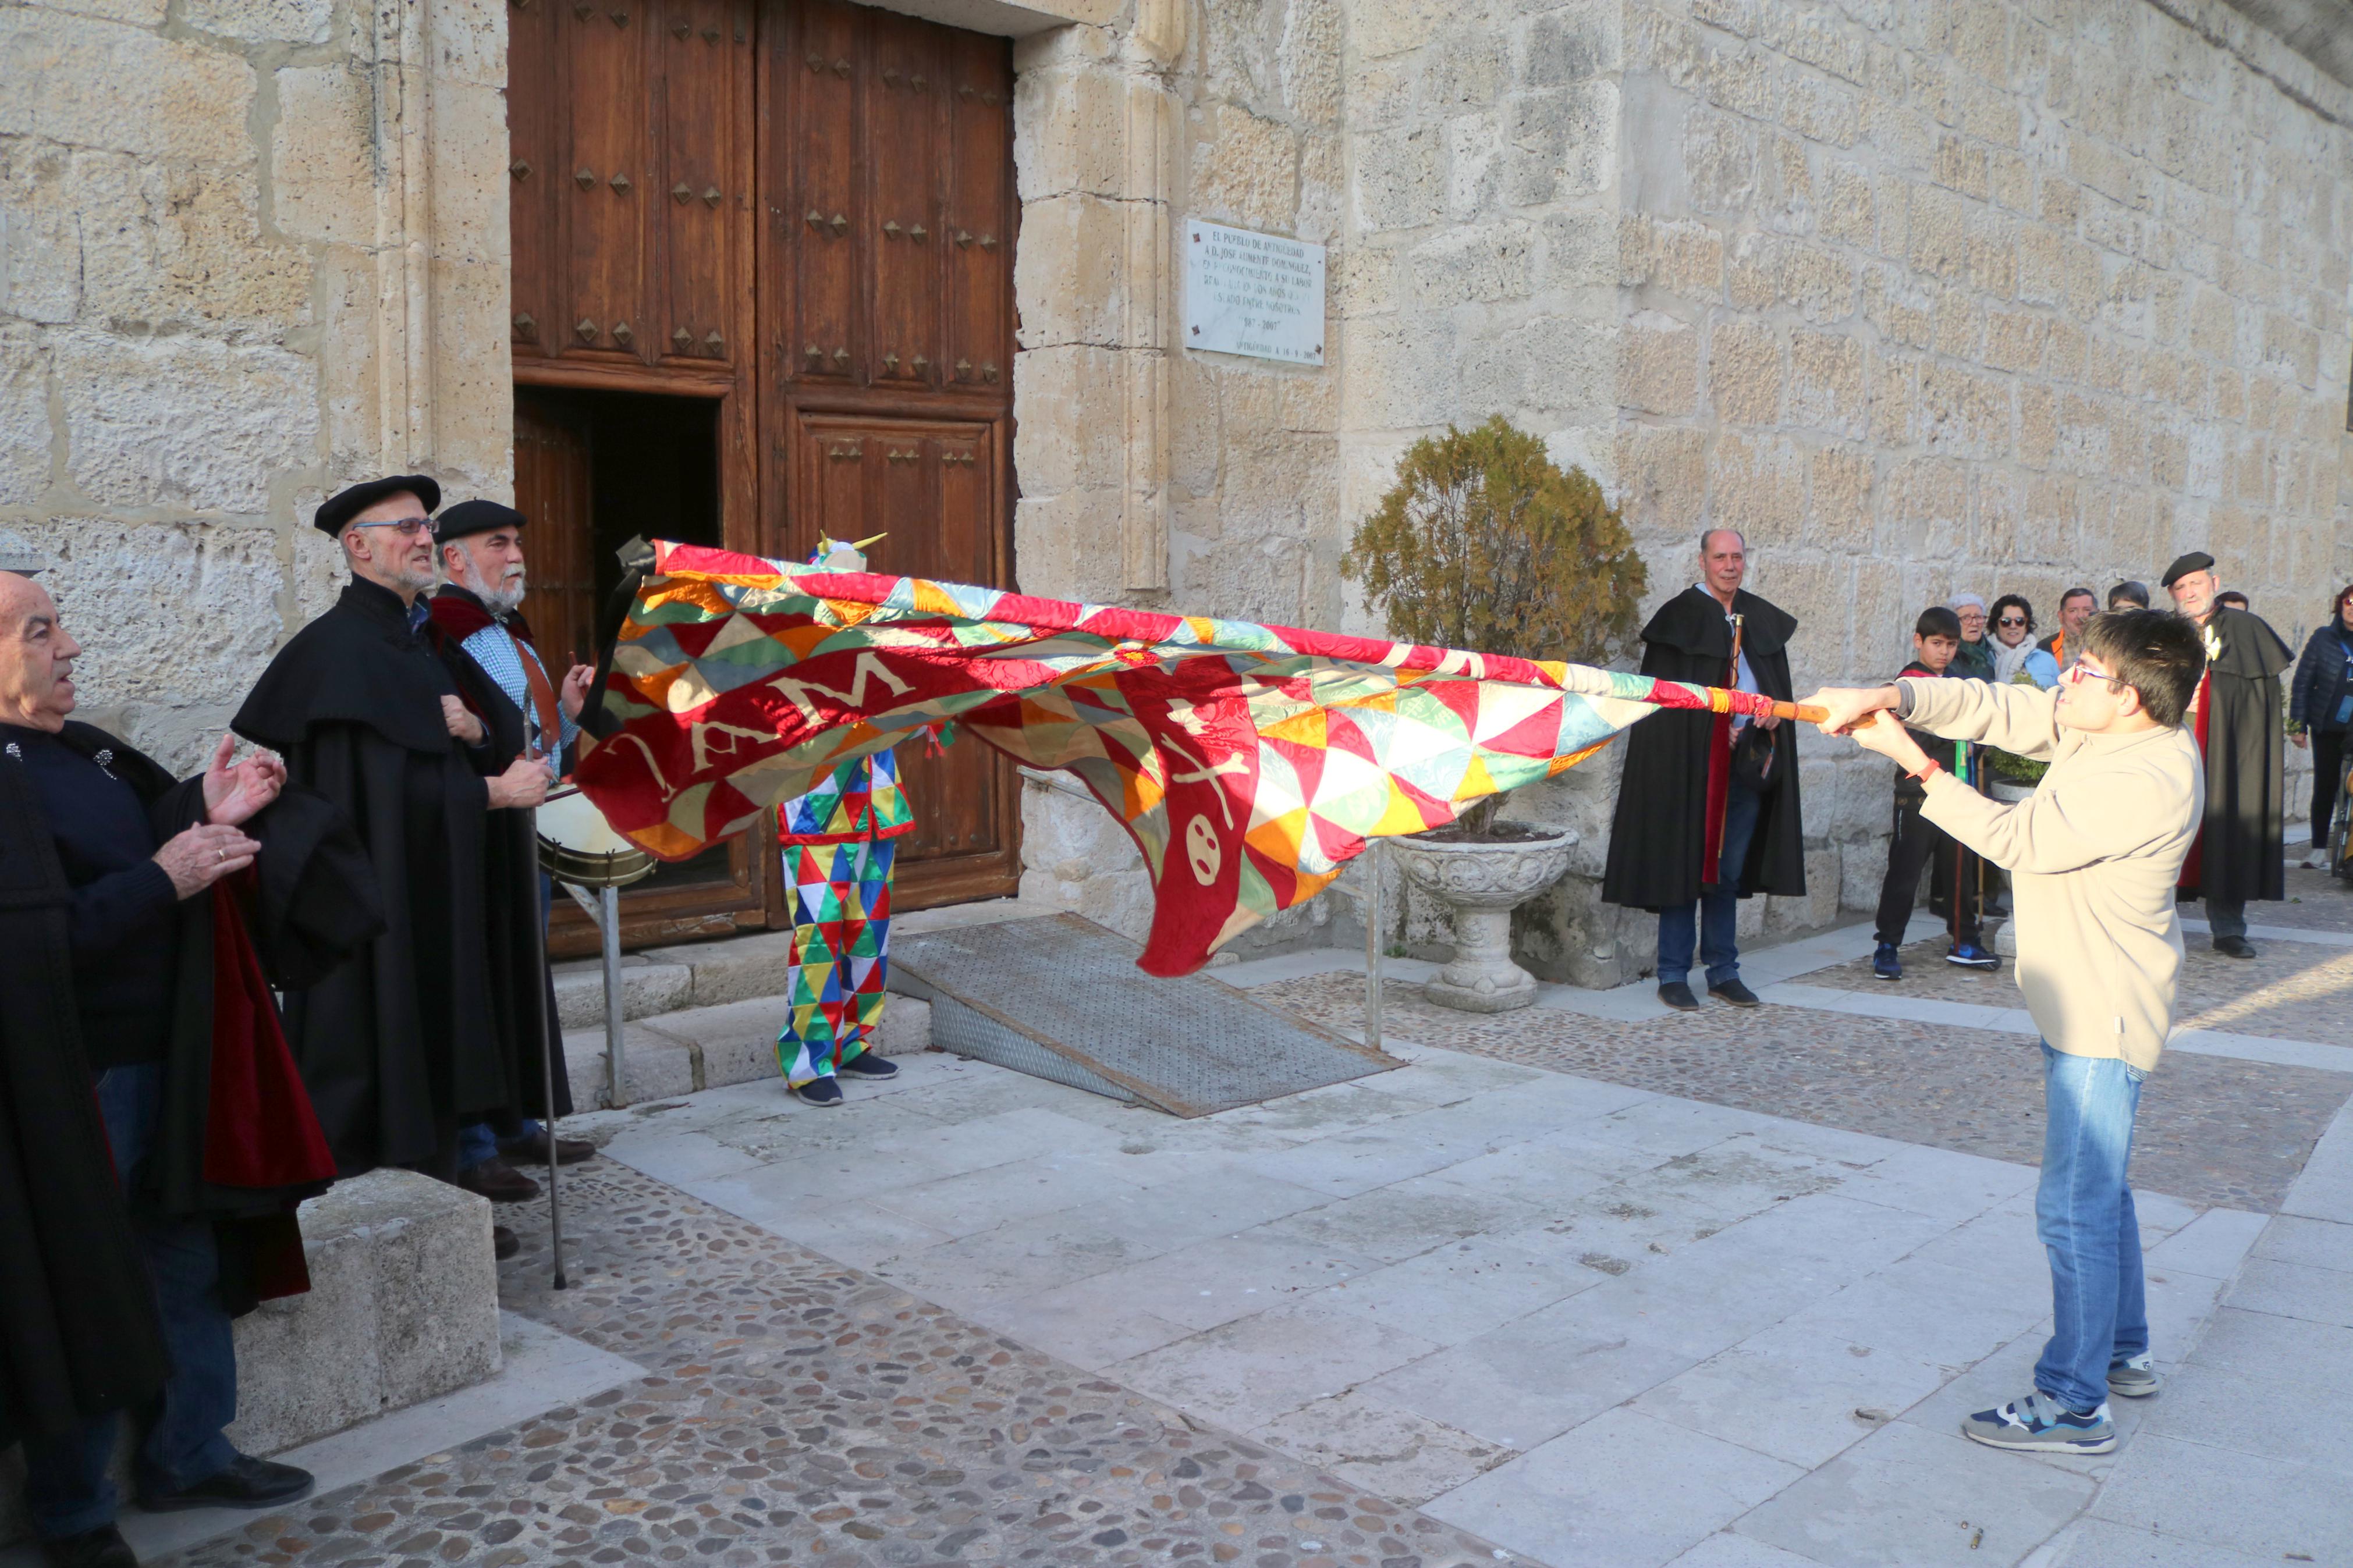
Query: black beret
point(2195, 561)
point(335, 513)
point(472, 517)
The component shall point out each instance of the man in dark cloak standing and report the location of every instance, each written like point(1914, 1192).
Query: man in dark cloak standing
point(154, 1135)
point(2236, 717)
point(401, 1043)
point(1708, 813)
point(482, 636)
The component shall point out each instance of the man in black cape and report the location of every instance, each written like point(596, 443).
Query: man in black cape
point(154, 1135)
point(1707, 808)
point(2238, 854)
point(403, 1043)
point(480, 633)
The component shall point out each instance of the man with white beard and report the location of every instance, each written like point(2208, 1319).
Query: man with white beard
point(486, 644)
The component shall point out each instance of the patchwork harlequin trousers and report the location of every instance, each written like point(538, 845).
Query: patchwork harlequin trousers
point(841, 903)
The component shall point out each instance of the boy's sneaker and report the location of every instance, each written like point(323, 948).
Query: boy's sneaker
point(866, 1064)
point(819, 1091)
point(2135, 1378)
point(2039, 1423)
point(1969, 955)
point(1886, 963)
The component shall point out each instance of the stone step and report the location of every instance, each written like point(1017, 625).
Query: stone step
point(705, 974)
point(692, 1048)
point(403, 1307)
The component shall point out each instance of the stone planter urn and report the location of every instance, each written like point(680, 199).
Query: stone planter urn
point(1483, 883)
point(2009, 792)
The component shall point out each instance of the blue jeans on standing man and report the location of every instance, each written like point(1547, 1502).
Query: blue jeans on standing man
point(1717, 911)
point(66, 1486)
point(2084, 1211)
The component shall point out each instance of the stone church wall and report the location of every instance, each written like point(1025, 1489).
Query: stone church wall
point(1920, 296)
point(220, 286)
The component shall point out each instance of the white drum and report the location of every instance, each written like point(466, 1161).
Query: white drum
point(576, 845)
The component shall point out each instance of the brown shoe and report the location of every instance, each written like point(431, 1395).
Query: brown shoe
point(504, 1243)
point(532, 1150)
point(499, 1182)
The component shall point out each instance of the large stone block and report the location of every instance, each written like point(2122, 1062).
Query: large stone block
point(90, 83)
point(169, 614)
point(1658, 363)
point(25, 429)
point(655, 981)
point(184, 421)
point(184, 247)
point(268, 21)
point(1744, 371)
point(322, 154)
point(1245, 170)
point(437, 1292)
point(1474, 262)
point(40, 234)
point(653, 1066)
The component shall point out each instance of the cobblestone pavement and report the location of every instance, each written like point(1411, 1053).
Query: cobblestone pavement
point(2211, 1130)
point(2316, 901)
point(2288, 991)
point(799, 1412)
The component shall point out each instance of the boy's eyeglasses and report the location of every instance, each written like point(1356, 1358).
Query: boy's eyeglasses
point(2079, 672)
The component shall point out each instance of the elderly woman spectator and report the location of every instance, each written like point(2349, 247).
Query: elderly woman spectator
point(1975, 661)
point(2320, 707)
point(2014, 650)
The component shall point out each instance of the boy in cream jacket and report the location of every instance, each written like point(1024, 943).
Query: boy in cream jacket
point(2093, 857)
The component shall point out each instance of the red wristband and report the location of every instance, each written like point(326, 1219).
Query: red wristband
point(1929, 770)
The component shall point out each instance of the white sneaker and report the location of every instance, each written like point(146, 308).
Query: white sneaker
point(2316, 861)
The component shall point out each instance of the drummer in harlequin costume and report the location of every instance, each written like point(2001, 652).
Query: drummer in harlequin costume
point(839, 840)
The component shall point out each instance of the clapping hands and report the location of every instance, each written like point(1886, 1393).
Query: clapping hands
point(234, 795)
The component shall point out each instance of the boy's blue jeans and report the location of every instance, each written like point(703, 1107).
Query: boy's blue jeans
point(1717, 911)
point(66, 1487)
point(2084, 1210)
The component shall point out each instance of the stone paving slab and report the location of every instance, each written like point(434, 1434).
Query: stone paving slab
point(2288, 991)
point(2212, 1130)
point(798, 1411)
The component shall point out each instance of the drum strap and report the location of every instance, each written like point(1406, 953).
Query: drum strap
point(543, 695)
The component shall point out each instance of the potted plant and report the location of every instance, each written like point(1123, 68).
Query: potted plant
point(1486, 544)
point(2011, 777)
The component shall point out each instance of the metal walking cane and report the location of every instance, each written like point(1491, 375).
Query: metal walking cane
point(547, 1046)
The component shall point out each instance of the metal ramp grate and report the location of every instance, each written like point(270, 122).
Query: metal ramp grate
point(1060, 997)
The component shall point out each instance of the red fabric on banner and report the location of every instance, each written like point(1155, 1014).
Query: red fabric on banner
point(260, 1129)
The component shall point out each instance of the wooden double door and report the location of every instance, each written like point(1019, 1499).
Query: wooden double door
point(797, 216)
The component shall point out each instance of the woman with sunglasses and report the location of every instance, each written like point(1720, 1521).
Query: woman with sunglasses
point(2320, 711)
point(2014, 652)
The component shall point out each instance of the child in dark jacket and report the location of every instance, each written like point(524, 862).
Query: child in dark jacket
point(1953, 882)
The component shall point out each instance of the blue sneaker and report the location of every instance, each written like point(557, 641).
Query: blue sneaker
point(1886, 964)
point(1969, 955)
point(2039, 1423)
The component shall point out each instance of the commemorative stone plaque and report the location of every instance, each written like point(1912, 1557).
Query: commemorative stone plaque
point(1256, 294)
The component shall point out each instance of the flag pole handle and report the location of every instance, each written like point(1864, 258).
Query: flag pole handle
point(1805, 712)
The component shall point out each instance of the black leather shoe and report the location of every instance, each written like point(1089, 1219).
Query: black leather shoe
point(247, 1482)
point(1736, 993)
point(504, 1243)
point(101, 1548)
point(2234, 947)
point(1677, 993)
point(499, 1182)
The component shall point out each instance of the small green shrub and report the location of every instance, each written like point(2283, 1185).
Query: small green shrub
point(1486, 544)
